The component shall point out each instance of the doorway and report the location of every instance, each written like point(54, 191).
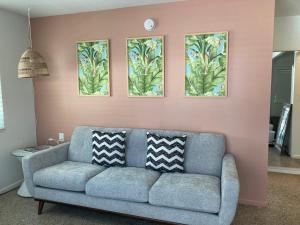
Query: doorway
point(281, 157)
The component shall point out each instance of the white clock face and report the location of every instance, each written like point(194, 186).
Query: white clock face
point(149, 24)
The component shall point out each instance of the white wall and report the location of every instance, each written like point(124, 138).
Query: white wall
point(287, 33)
point(18, 98)
point(295, 141)
point(287, 37)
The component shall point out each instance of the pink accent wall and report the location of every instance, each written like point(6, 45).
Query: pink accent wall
point(242, 116)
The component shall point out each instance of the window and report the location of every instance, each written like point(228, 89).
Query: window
point(1, 109)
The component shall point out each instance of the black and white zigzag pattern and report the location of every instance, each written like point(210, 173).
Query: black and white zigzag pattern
point(165, 154)
point(109, 148)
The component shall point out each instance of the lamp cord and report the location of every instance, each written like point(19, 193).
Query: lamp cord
point(29, 28)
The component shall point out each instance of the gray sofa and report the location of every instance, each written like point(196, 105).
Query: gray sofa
point(206, 194)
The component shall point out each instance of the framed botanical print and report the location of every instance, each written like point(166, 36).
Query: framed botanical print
point(93, 68)
point(206, 62)
point(145, 66)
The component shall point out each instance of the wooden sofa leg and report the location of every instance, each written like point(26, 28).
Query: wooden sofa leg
point(40, 207)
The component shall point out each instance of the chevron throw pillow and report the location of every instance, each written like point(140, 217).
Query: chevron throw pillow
point(165, 154)
point(108, 148)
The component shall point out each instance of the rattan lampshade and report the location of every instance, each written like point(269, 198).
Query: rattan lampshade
point(32, 64)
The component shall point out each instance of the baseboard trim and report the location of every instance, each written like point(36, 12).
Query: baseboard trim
point(295, 156)
point(287, 170)
point(11, 187)
point(253, 203)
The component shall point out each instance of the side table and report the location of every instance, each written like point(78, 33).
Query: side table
point(20, 153)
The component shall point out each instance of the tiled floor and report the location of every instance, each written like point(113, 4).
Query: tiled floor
point(278, 160)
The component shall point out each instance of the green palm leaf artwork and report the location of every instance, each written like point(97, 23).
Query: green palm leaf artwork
point(93, 68)
point(206, 64)
point(145, 58)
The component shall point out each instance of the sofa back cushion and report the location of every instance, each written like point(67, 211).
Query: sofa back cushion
point(203, 151)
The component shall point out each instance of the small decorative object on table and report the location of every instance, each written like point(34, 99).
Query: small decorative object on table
point(20, 153)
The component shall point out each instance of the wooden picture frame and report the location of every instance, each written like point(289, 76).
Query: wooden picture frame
point(93, 77)
point(137, 50)
point(199, 49)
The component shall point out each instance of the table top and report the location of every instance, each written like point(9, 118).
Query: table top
point(29, 150)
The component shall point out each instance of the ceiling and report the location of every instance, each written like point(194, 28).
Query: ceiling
point(286, 7)
point(40, 8)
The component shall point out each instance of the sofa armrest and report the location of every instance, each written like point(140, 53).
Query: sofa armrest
point(230, 189)
point(36, 161)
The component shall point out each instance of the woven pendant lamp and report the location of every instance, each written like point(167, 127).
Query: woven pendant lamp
point(31, 63)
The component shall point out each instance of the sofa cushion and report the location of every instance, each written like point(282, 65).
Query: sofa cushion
point(71, 176)
point(109, 148)
point(165, 154)
point(187, 191)
point(203, 151)
point(127, 183)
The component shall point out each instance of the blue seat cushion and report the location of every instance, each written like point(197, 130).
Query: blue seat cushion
point(71, 176)
point(187, 191)
point(123, 183)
